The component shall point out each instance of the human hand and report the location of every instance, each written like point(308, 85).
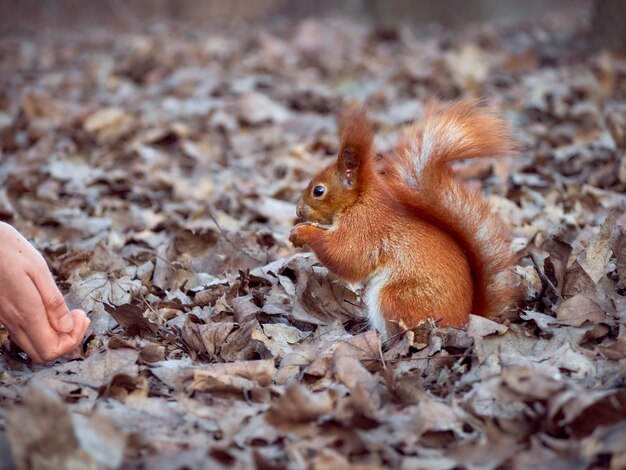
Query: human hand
point(31, 306)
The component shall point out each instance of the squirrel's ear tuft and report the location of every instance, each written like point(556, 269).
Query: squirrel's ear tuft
point(348, 164)
point(355, 128)
point(357, 141)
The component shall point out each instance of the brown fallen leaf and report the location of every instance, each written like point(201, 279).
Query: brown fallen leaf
point(235, 376)
point(298, 405)
point(579, 415)
point(45, 434)
point(481, 326)
point(240, 344)
point(175, 373)
point(132, 319)
point(579, 309)
point(558, 260)
point(44, 112)
point(540, 455)
point(598, 253)
point(362, 384)
point(620, 254)
point(364, 347)
point(531, 383)
point(123, 386)
point(292, 365)
point(108, 124)
point(206, 337)
point(96, 370)
point(577, 281)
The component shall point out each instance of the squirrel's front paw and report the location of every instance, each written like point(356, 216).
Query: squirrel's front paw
point(300, 234)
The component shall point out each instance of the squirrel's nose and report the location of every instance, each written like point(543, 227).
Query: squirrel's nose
point(302, 213)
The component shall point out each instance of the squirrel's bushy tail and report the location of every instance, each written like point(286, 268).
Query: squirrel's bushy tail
point(421, 178)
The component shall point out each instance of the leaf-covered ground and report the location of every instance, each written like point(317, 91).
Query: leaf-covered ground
point(158, 174)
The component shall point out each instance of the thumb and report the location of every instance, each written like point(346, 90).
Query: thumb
point(58, 314)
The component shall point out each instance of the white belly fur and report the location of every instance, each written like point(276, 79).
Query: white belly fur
point(372, 302)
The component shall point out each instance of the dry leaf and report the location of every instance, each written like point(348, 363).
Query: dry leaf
point(239, 376)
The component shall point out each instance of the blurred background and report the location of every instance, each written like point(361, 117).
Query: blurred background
point(31, 16)
point(27, 15)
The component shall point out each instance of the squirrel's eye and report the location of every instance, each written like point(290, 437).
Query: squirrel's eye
point(318, 191)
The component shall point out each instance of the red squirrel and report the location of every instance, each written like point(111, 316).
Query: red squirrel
point(425, 244)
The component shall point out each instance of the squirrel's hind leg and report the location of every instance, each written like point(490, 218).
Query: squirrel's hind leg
point(403, 305)
point(392, 305)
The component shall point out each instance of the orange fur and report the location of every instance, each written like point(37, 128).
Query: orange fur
point(427, 246)
point(459, 131)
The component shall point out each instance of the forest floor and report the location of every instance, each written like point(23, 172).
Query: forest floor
point(158, 174)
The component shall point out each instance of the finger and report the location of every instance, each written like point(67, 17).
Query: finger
point(50, 344)
point(44, 343)
point(56, 309)
point(69, 341)
point(20, 304)
point(82, 321)
point(23, 341)
point(66, 342)
point(75, 339)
